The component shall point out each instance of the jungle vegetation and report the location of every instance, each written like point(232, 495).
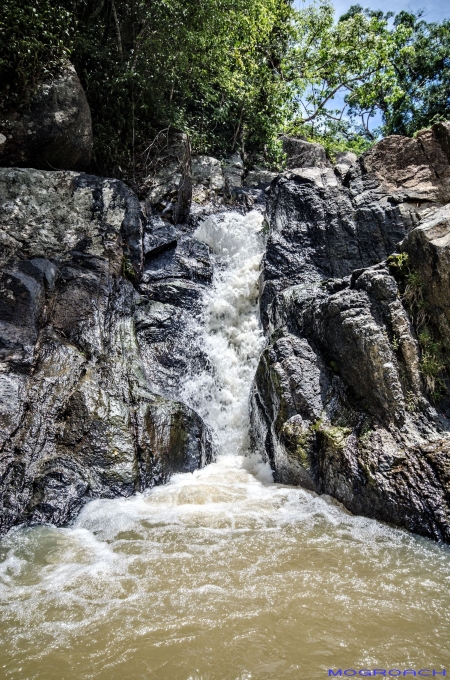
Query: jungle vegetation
point(234, 74)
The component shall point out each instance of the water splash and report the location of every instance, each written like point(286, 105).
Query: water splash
point(229, 330)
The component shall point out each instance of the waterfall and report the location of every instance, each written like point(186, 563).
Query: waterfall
point(229, 330)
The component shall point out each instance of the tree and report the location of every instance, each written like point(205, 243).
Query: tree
point(210, 67)
point(337, 70)
point(423, 76)
point(35, 38)
point(368, 62)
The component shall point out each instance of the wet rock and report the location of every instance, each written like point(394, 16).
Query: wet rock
point(259, 178)
point(441, 132)
point(176, 270)
point(185, 258)
point(341, 403)
point(159, 235)
point(303, 154)
point(54, 131)
point(318, 232)
point(78, 417)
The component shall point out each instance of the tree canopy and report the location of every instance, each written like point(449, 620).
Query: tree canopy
point(234, 74)
point(210, 67)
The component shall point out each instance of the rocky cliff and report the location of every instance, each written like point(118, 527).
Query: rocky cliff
point(81, 412)
point(351, 394)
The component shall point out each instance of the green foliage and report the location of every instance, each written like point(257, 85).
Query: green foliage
point(423, 78)
point(335, 136)
point(35, 38)
point(399, 262)
point(334, 367)
point(210, 68)
point(233, 74)
point(345, 72)
point(433, 364)
point(351, 59)
point(434, 360)
point(128, 269)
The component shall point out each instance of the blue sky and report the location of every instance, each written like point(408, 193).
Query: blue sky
point(435, 10)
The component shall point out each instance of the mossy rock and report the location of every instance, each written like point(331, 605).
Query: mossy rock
point(298, 441)
point(332, 436)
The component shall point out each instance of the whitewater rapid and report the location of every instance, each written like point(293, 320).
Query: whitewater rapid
point(229, 330)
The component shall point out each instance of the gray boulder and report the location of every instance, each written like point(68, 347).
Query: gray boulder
point(233, 172)
point(344, 160)
point(54, 131)
point(207, 171)
point(303, 154)
point(259, 177)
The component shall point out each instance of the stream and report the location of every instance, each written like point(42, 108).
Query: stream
point(221, 574)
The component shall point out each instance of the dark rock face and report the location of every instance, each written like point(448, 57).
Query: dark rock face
point(176, 270)
point(54, 132)
point(78, 417)
point(341, 401)
point(303, 154)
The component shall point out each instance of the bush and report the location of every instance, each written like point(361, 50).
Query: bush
point(35, 38)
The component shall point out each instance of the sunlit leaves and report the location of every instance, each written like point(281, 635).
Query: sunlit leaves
point(351, 58)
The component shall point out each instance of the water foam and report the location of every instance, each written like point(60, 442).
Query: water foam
point(229, 330)
point(215, 575)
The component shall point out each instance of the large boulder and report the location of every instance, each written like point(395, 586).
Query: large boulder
point(303, 154)
point(79, 418)
point(52, 132)
point(233, 172)
point(412, 169)
point(207, 172)
point(259, 177)
point(355, 303)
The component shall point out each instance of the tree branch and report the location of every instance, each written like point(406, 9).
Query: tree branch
point(117, 25)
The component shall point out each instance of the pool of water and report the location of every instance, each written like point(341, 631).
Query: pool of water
point(219, 575)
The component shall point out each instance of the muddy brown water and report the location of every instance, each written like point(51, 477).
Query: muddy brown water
point(220, 575)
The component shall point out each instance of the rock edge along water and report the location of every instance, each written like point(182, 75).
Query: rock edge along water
point(340, 402)
point(79, 416)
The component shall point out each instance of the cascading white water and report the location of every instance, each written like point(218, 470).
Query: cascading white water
point(221, 574)
point(229, 331)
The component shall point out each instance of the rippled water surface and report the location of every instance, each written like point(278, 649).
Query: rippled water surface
point(221, 574)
